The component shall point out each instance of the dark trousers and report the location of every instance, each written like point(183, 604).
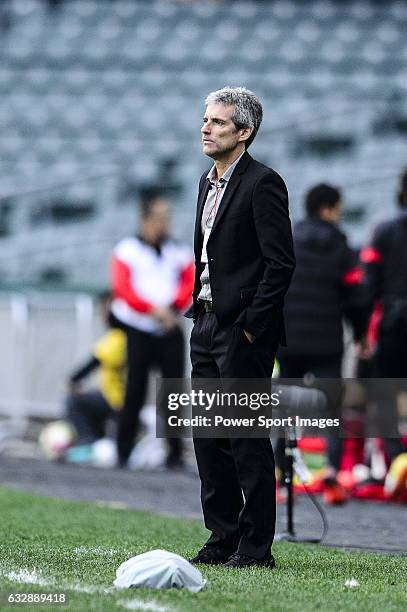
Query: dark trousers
point(145, 351)
point(390, 362)
point(321, 366)
point(238, 486)
point(88, 413)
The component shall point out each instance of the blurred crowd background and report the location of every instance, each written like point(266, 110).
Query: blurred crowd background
point(101, 98)
point(101, 102)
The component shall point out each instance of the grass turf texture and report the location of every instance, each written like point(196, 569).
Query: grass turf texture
point(73, 546)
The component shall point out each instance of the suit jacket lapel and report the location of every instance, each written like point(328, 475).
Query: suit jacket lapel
point(232, 185)
point(199, 211)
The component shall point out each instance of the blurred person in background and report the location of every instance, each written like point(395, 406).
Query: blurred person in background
point(152, 281)
point(326, 289)
point(385, 263)
point(88, 411)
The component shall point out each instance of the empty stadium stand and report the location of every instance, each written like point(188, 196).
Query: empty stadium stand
point(97, 98)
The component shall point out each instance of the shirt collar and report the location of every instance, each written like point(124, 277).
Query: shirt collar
point(157, 246)
point(211, 176)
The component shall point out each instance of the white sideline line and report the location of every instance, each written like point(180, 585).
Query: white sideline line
point(96, 550)
point(136, 604)
point(25, 576)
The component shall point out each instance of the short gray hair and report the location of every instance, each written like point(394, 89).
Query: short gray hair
point(248, 111)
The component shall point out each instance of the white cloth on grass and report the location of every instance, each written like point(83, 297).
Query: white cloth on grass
point(159, 569)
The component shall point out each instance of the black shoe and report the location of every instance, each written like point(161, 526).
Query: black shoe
point(241, 561)
point(210, 555)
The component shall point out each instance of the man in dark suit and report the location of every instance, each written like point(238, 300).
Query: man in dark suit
point(244, 262)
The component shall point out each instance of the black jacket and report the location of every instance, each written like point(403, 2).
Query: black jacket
point(326, 286)
point(385, 260)
point(250, 250)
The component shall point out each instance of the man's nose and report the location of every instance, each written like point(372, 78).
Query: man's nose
point(205, 129)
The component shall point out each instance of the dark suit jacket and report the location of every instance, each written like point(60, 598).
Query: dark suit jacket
point(250, 250)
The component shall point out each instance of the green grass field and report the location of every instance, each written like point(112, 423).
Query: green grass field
point(53, 546)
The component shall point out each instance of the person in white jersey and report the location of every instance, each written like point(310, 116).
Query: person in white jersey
point(152, 279)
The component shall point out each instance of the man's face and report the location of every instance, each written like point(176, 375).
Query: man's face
point(156, 224)
point(332, 215)
point(219, 134)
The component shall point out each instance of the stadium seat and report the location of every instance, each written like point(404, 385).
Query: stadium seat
point(110, 85)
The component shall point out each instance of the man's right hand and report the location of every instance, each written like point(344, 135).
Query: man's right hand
point(363, 349)
point(165, 316)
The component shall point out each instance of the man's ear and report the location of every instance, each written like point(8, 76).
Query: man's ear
point(245, 134)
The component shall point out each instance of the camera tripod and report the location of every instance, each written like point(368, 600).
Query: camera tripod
point(289, 534)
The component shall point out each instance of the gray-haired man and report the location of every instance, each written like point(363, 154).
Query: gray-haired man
point(244, 262)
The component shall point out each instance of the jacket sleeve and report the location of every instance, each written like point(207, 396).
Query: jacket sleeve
point(84, 370)
point(273, 228)
point(183, 295)
point(355, 300)
point(371, 258)
point(110, 349)
point(190, 313)
point(122, 287)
